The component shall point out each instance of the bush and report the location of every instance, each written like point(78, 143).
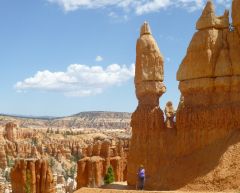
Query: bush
point(10, 162)
point(72, 171)
point(28, 182)
point(109, 177)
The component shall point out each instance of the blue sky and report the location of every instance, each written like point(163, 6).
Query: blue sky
point(60, 57)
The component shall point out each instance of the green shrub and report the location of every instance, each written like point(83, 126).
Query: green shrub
point(28, 181)
point(109, 177)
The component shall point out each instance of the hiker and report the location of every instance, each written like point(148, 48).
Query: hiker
point(141, 177)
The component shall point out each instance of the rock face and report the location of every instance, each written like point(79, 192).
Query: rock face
point(208, 19)
point(235, 14)
point(208, 116)
point(93, 167)
point(32, 176)
point(210, 74)
point(148, 120)
point(201, 150)
point(11, 131)
point(3, 158)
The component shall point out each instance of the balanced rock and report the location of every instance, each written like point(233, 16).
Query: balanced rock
point(147, 121)
point(149, 68)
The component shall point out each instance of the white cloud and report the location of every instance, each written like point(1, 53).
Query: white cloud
point(118, 17)
point(226, 3)
point(138, 6)
point(78, 79)
point(99, 59)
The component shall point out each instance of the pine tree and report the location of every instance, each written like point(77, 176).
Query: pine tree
point(109, 177)
point(28, 181)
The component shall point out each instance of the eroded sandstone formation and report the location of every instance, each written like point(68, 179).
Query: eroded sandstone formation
point(170, 114)
point(148, 120)
point(3, 158)
point(11, 131)
point(235, 14)
point(209, 81)
point(98, 157)
point(33, 176)
point(201, 151)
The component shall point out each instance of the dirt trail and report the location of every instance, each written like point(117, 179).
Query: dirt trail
point(93, 190)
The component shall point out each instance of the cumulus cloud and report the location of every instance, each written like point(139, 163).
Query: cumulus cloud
point(226, 3)
point(78, 80)
point(138, 6)
point(99, 59)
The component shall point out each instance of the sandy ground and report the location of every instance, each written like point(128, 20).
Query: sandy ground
point(122, 187)
point(95, 190)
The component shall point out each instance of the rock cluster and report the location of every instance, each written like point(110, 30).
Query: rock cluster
point(209, 79)
point(191, 153)
point(97, 158)
point(3, 158)
point(33, 176)
point(11, 132)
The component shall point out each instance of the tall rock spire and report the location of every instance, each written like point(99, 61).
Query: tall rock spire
point(149, 73)
point(147, 121)
point(145, 29)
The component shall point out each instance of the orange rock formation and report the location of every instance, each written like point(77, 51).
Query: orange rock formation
point(170, 114)
point(32, 175)
point(11, 131)
point(3, 158)
point(99, 156)
point(209, 81)
point(148, 120)
point(235, 14)
point(202, 151)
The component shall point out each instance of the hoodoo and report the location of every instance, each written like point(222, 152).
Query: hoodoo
point(30, 175)
point(201, 150)
point(147, 121)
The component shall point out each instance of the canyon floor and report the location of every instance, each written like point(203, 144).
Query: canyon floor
point(91, 190)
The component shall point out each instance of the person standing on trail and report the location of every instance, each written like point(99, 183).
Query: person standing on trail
point(141, 177)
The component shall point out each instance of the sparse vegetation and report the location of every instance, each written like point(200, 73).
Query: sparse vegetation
point(7, 175)
point(28, 181)
point(109, 177)
point(75, 158)
point(10, 162)
point(51, 162)
point(72, 171)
